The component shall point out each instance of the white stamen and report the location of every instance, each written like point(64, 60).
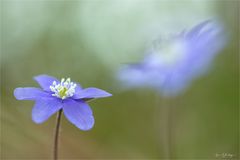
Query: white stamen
point(64, 89)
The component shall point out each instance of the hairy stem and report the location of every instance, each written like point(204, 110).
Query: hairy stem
point(56, 136)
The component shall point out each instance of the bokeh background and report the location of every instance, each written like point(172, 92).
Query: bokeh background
point(88, 41)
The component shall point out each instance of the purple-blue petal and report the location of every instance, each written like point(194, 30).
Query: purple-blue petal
point(45, 81)
point(79, 114)
point(196, 29)
point(132, 76)
point(44, 108)
point(78, 88)
point(91, 93)
point(30, 93)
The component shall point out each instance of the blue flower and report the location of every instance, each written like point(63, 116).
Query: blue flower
point(174, 62)
point(64, 94)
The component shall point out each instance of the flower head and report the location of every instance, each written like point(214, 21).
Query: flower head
point(172, 63)
point(64, 94)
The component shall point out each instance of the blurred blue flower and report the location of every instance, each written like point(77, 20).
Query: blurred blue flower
point(172, 63)
point(64, 94)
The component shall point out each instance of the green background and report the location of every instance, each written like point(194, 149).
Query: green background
point(88, 41)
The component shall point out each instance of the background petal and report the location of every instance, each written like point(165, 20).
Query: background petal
point(78, 113)
point(43, 109)
point(29, 93)
point(91, 93)
point(45, 81)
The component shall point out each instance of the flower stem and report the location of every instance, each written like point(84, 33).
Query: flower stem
point(56, 136)
point(165, 130)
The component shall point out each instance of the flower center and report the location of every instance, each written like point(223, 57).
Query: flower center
point(171, 52)
point(64, 89)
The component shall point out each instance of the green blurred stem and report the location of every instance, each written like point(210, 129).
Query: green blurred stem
point(169, 128)
point(166, 126)
point(56, 136)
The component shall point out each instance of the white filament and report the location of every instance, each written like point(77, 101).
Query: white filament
point(64, 89)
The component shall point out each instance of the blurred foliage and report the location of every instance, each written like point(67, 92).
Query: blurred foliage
point(88, 41)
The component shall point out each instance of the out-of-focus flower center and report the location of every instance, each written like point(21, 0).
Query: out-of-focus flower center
point(64, 89)
point(170, 52)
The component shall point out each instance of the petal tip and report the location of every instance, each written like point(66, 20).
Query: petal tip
point(87, 127)
point(36, 121)
point(108, 94)
point(40, 76)
point(45, 81)
point(105, 94)
point(16, 93)
point(36, 77)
